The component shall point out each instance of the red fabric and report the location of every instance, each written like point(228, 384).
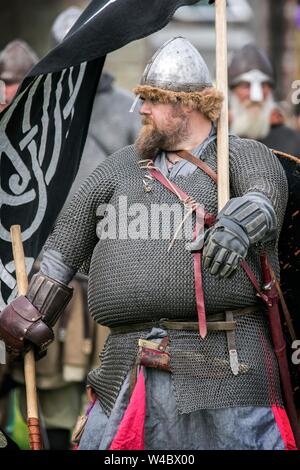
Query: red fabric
point(199, 289)
point(199, 295)
point(130, 434)
point(284, 426)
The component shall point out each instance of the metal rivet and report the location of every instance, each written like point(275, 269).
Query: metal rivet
point(33, 319)
point(21, 338)
point(25, 329)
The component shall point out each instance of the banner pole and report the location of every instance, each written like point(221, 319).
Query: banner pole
point(222, 85)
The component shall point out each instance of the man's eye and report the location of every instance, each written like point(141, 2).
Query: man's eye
point(245, 85)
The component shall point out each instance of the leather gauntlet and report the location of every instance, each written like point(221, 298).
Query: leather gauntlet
point(50, 297)
point(254, 213)
point(244, 221)
point(28, 319)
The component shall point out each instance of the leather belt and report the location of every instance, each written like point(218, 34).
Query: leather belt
point(216, 322)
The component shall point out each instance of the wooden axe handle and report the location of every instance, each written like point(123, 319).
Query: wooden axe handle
point(29, 360)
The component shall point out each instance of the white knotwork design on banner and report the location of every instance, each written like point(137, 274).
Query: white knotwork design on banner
point(7, 277)
point(30, 179)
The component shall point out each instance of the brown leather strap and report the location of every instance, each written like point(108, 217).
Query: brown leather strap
point(175, 325)
point(255, 283)
point(209, 219)
point(133, 377)
point(199, 163)
point(163, 344)
point(286, 155)
point(200, 304)
point(199, 288)
point(194, 326)
point(280, 347)
point(215, 322)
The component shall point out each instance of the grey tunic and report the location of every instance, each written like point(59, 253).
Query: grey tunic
point(238, 428)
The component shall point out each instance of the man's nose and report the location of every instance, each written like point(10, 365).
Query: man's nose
point(256, 92)
point(145, 108)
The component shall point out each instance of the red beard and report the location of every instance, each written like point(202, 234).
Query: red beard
point(151, 139)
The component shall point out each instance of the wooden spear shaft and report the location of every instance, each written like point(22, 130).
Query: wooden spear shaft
point(29, 360)
point(222, 85)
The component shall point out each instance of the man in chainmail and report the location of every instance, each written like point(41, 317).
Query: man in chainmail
point(188, 363)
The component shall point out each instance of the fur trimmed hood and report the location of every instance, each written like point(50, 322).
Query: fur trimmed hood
point(208, 101)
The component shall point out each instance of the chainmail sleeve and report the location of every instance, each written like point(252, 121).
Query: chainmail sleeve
point(74, 234)
point(253, 168)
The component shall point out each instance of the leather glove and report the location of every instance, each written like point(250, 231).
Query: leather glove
point(244, 221)
point(22, 327)
point(225, 246)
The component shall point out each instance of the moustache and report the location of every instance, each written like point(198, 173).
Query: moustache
point(252, 104)
point(146, 120)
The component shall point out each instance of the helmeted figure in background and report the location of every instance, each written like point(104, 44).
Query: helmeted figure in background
point(61, 375)
point(254, 113)
point(188, 332)
point(16, 60)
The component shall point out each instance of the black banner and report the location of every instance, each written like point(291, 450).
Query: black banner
point(43, 131)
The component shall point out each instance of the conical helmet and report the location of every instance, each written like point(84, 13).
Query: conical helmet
point(16, 59)
point(63, 23)
point(177, 73)
point(247, 59)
